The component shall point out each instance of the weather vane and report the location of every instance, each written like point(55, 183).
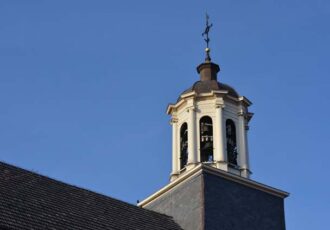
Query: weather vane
point(205, 34)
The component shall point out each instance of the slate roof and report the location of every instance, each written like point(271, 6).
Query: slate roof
point(207, 86)
point(32, 201)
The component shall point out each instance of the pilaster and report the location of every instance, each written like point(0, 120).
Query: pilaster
point(245, 170)
point(192, 140)
point(242, 150)
point(175, 149)
point(220, 156)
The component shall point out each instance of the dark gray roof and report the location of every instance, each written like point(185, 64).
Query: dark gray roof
point(31, 201)
point(207, 86)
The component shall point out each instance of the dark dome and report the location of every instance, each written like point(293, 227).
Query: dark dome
point(207, 86)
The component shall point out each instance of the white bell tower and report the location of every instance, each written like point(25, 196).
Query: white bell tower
point(210, 184)
point(209, 126)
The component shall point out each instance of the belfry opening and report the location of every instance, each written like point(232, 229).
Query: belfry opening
point(231, 142)
point(183, 145)
point(206, 139)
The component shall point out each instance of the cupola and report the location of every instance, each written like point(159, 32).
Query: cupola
point(209, 124)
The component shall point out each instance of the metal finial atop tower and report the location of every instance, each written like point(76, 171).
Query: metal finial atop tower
point(207, 39)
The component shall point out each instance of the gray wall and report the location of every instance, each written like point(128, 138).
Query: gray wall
point(184, 203)
point(232, 206)
point(209, 202)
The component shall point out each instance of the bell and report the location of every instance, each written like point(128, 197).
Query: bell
point(207, 145)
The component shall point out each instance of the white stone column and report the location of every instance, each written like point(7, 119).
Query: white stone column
point(219, 139)
point(243, 158)
point(246, 171)
point(192, 155)
point(175, 148)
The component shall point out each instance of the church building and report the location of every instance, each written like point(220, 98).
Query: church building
point(210, 184)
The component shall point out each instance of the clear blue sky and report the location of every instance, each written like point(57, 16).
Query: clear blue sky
point(84, 86)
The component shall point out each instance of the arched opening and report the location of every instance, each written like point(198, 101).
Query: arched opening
point(231, 142)
point(183, 145)
point(206, 139)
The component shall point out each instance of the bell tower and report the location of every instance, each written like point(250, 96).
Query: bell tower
point(210, 186)
point(209, 124)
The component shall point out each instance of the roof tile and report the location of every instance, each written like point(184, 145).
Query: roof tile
point(32, 201)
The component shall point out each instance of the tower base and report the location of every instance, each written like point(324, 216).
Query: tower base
point(207, 198)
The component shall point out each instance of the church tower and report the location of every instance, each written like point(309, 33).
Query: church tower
point(210, 186)
point(209, 125)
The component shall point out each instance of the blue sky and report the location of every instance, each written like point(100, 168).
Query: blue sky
point(84, 86)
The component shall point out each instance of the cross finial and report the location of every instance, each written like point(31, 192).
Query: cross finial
point(205, 34)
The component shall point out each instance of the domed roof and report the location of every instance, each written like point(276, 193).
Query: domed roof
point(208, 86)
point(208, 82)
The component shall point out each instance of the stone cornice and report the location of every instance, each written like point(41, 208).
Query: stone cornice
point(214, 93)
point(173, 120)
point(191, 94)
point(172, 107)
point(249, 116)
point(245, 101)
point(201, 168)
